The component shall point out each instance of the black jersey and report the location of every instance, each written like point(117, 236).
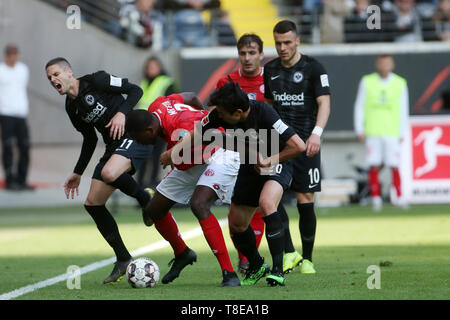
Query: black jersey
point(294, 91)
point(261, 116)
point(99, 99)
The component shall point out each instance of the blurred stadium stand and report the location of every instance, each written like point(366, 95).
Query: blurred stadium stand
point(102, 13)
point(226, 20)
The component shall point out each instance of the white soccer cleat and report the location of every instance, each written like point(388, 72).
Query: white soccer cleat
point(377, 204)
point(402, 203)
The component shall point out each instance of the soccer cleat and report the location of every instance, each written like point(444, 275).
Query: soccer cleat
point(401, 203)
point(120, 267)
point(243, 266)
point(275, 279)
point(307, 267)
point(252, 276)
point(147, 220)
point(150, 191)
point(230, 279)
point(377, 204)
point(291, 260)
point(180, 261)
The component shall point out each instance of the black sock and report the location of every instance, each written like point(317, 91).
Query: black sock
point(288, 245)
point(275, 240)
point(130, 187)
point(245, 242)
point(109, 230)
point(307, 226)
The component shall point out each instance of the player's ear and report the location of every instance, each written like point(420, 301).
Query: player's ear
point(297, 40)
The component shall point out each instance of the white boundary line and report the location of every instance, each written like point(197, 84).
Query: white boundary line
point(100, 264)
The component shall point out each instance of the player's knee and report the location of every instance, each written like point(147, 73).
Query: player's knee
point(154, 212)
point(8, 143)
point(267, 206)
point(236, 226)
point(108, 175)
point(91, 201)
point(200, 208)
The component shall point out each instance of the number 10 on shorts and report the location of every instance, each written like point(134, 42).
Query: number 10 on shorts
point(314, 177)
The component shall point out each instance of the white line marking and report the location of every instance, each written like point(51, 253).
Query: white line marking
point(100, 264)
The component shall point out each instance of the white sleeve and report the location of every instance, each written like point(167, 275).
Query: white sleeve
point(404, 111)
point(358, 119)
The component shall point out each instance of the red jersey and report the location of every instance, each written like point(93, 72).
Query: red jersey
point(253, 86)
point(176, 119)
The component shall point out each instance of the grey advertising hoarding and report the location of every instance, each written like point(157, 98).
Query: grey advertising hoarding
point(428, 76)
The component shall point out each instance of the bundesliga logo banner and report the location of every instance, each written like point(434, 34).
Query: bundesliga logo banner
point(426, 160)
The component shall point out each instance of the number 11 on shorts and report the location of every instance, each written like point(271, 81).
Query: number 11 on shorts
point(125, 141)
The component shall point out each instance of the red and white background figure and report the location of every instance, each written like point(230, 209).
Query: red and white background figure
point(426, 160)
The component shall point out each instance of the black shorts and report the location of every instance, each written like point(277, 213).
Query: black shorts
point(249, 183)
point(130, 149)
point(306, 175)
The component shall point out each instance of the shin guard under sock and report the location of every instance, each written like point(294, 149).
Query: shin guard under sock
point(275, 240)
point(307, 226)
point(109, 230)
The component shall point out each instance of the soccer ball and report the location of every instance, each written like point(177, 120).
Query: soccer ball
point(142, 273)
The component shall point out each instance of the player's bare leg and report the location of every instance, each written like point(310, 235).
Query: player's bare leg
point(201, 202)
point(307, 226)
point(99, 193)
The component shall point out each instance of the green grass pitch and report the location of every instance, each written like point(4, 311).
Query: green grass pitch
point(412, 246)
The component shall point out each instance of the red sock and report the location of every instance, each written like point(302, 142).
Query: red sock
point(396, 181)
point(214, 237)
point(168, 228)
point(374, 183)
point(258, 225)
